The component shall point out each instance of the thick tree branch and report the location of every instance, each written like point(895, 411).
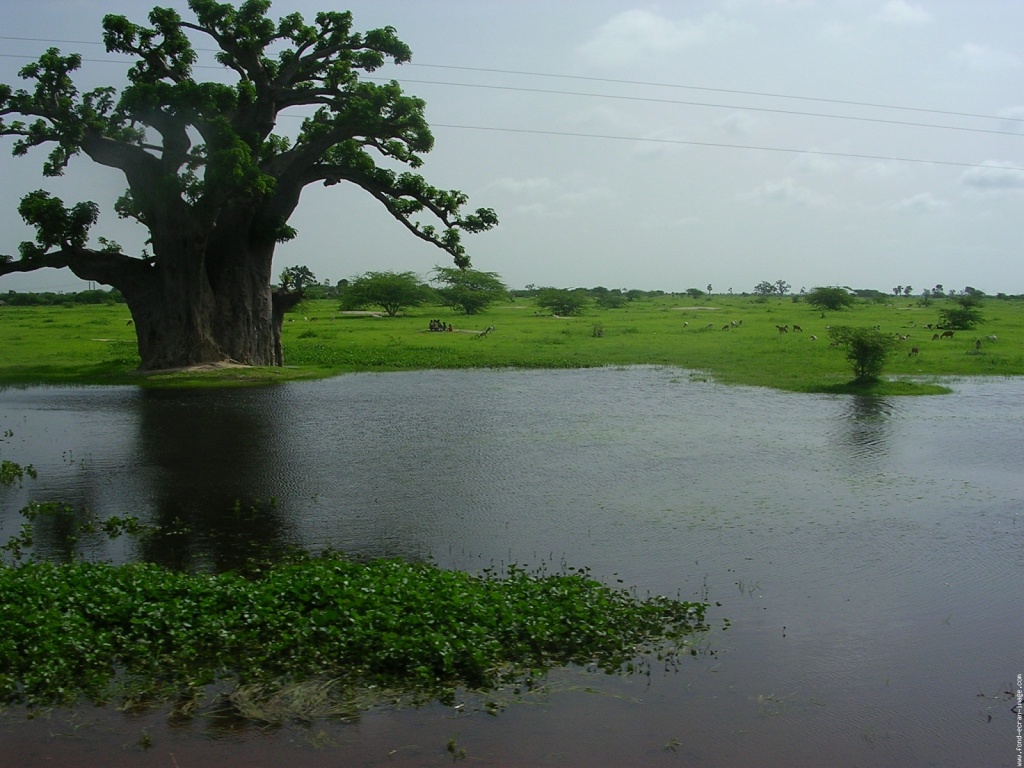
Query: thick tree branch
point(87, 264)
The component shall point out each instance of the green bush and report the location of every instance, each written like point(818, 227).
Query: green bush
point(866, 348)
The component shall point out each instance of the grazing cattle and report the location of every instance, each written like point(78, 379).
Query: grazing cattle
point(709, 326)
point(726, 327)
point(797, 328)
point(992, 337)
point(946, 335)
point(930, 326)
point(813, 337)
point(130, 322)
point(686, 324)
point(935, 337)
point(783, 328)
point(913, 352)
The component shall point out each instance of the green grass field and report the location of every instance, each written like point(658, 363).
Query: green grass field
point(95, 344)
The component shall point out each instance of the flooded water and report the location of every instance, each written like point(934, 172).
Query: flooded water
point(868, 553)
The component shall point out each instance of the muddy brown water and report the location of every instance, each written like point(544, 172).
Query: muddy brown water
point(867, 552)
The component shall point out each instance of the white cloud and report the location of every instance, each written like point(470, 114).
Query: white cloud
point(994, 178)
point(808, 162)
point(660, 142)
point(786, 192)
point(984, 58)
point(1013, 119)
point(517, 186)
point(636, 35)
point(585, 195)
point(737, 123)
point(924, 202)
point(903, 14)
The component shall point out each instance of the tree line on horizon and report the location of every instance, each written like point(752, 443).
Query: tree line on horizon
point(463, 283)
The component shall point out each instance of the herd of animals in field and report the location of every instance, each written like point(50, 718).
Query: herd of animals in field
point(914, 350)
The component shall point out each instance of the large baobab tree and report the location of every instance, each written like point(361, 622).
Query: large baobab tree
point(207, 175)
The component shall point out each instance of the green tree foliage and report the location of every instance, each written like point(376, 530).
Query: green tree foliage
point(49, 298)
point(391, 291)
point(866, 349)
point(610, 299)
point(829, 297)
point(764, 289)
point(468, 290)
point(561, 301)
point(209, 178)
point(297, 279)
point(966, 314)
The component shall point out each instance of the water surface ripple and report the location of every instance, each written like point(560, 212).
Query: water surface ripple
point(867, 551)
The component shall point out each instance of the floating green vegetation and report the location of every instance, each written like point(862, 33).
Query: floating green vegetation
point(99, 631)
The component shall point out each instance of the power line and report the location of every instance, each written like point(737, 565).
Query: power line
point(721, 90)
point(710, 105)
point(526, 73)
point(716, 106)
point(664, 101)
point(723, 145)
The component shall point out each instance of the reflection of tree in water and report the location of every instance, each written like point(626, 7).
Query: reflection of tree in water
point(212, 468)
point(865, 429)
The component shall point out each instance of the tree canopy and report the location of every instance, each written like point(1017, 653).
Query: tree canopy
point(829, 297)
point(207, 174)
point(965, 314)
point(866, 348)
point(391, 291)
point(468, 290)
point(561, 301)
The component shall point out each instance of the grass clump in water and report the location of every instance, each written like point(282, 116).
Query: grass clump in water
point(99, 631)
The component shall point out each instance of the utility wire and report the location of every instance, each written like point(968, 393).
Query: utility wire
point(710, 105)
point(732, 146)
point(526, 73)
point(669, 101)
point(722, 90)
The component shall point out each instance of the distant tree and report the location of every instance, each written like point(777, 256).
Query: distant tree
point(609, 299)
point(391, 291)
point(965, 315)
point(468, 290)
point(296, 279)
point(561, 301)
point(782, 287)
point(926, 298)
point(694, 293)
point(764, 288)
point(897, 290)
point(907, 290)
point(830, 297)
point(866, 349)
point(710, 290)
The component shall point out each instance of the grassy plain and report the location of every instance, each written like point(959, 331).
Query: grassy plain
point(94, 344)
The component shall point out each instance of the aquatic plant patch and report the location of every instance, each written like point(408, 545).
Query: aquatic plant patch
point(101, 631)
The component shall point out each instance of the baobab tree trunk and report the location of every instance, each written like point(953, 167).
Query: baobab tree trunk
point(194, 310)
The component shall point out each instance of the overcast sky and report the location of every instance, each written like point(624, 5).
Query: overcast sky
point(653, 145)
